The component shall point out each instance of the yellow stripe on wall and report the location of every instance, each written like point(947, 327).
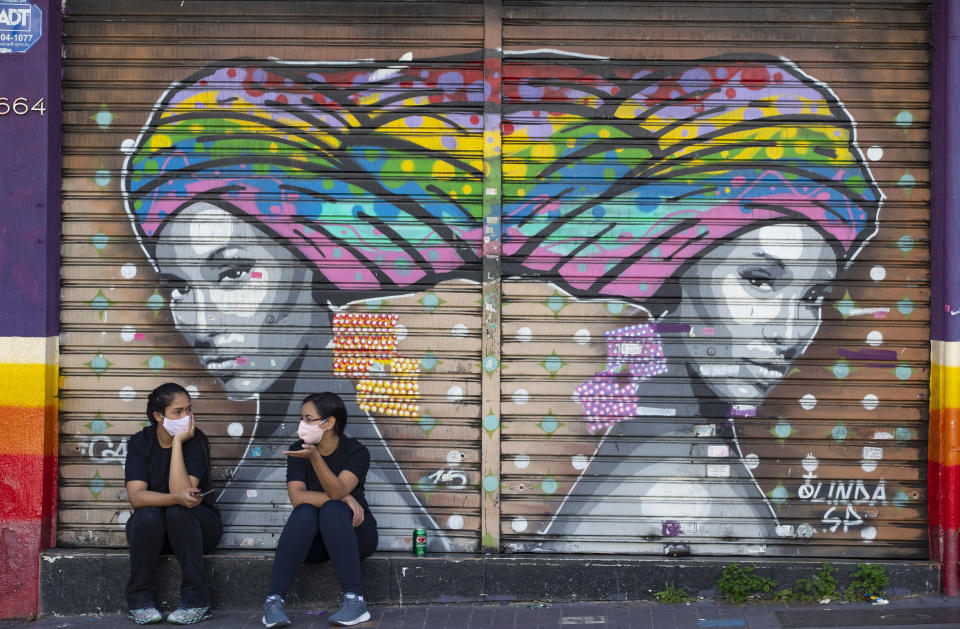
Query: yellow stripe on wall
point(28, 385)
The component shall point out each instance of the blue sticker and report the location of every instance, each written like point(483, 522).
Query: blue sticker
point(255, 451)
point(21, 26)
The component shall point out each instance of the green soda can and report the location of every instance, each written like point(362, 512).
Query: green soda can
point(419, 542)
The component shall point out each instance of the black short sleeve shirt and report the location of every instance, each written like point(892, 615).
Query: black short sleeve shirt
point(350, 455)
point(147, 461)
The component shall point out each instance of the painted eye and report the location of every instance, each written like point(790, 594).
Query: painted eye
point(758, 278)
point(236, 272)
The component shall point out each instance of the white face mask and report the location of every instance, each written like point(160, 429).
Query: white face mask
point(310, 434)
point(175, 426)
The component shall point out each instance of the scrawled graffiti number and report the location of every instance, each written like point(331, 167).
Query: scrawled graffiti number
point(449, 476)
point(101, 449)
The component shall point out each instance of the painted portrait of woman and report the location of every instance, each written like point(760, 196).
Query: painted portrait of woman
point(270, 197)
point(716, 201)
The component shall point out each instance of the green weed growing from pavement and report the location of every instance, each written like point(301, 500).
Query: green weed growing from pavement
point(867, 579)
point(822, 585)
point(672, 594)
point(738, 583)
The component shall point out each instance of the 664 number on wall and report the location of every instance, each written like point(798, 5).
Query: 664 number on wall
point(21, 106)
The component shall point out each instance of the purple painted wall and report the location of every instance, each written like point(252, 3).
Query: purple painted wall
point(945, 173)
point(30, 186)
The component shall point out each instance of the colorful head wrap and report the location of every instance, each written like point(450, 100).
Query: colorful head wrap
point(619, 180)
point(614, 179)
point(366, 174)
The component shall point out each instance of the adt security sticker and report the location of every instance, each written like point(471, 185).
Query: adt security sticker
point(21, 25)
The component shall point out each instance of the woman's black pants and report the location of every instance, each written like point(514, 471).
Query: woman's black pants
point(315, 534)
point(188, 534)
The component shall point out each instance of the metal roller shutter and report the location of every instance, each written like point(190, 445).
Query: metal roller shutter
point(711, 161)
point(635, 359)
point(340, 203)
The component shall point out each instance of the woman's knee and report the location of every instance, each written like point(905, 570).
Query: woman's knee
point(334, 511)
point(146, 522)
point(147, 518)
point(178, 515)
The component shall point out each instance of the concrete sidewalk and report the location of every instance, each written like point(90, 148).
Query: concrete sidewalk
point(926, 612)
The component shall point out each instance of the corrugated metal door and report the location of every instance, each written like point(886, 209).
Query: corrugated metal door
point(715, 338)
point(704, 323)
point(251, 212)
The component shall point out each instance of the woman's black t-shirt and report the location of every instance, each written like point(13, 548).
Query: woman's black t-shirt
point(349, 455)
point(147, 461)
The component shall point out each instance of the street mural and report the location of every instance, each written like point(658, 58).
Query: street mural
point(669, 235)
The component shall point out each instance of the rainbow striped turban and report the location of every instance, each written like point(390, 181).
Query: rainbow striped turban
point(366, 174)
point(617, 180)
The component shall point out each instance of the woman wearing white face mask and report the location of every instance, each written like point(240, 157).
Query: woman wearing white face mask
point(168, 483)
point(326, 471)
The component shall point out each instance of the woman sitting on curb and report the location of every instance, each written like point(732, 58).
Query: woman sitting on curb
point(168, 480)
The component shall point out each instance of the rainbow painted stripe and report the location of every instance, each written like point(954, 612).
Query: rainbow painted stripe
point(28, 457)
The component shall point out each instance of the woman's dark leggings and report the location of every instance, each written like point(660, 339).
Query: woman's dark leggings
point(188, 533)
point(314, 535)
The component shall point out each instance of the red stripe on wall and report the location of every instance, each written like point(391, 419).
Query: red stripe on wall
point(20, 566)
point(943, 485)
point(28, 488)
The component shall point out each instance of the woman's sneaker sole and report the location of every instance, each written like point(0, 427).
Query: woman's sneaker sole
point(364, 617)
point(282, 623)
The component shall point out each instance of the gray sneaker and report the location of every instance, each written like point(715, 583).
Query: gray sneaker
point(353, 611)
point(188, 615)
point(273, 615)
point(145, 615)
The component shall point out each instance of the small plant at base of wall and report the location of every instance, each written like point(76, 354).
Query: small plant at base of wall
point(738, 583)
point(823, 586)
point(866, 580)
point(672, 594)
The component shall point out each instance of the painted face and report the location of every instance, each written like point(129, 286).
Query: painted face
point(244, 303)
point(753, 304)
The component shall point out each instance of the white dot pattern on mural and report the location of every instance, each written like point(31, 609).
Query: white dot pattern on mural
point(877, 273)
point(128, 333)
point(459, 330)
point(519, 524)
point(455, 522)
point(454, 394)
point(874, 153)
point(235, 429)
point(870, 401)
point(127, 393)
point(874, 338)
point(579, 462)
point(522, 461)
point(454, 457)
point(524, 335)
point(521, 396)
point(808, 402)
point(751, 461)
point(128, 271)
point(582, 336)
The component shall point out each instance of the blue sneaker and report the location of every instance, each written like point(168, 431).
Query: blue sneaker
point(353, 611)
point(273, 615)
